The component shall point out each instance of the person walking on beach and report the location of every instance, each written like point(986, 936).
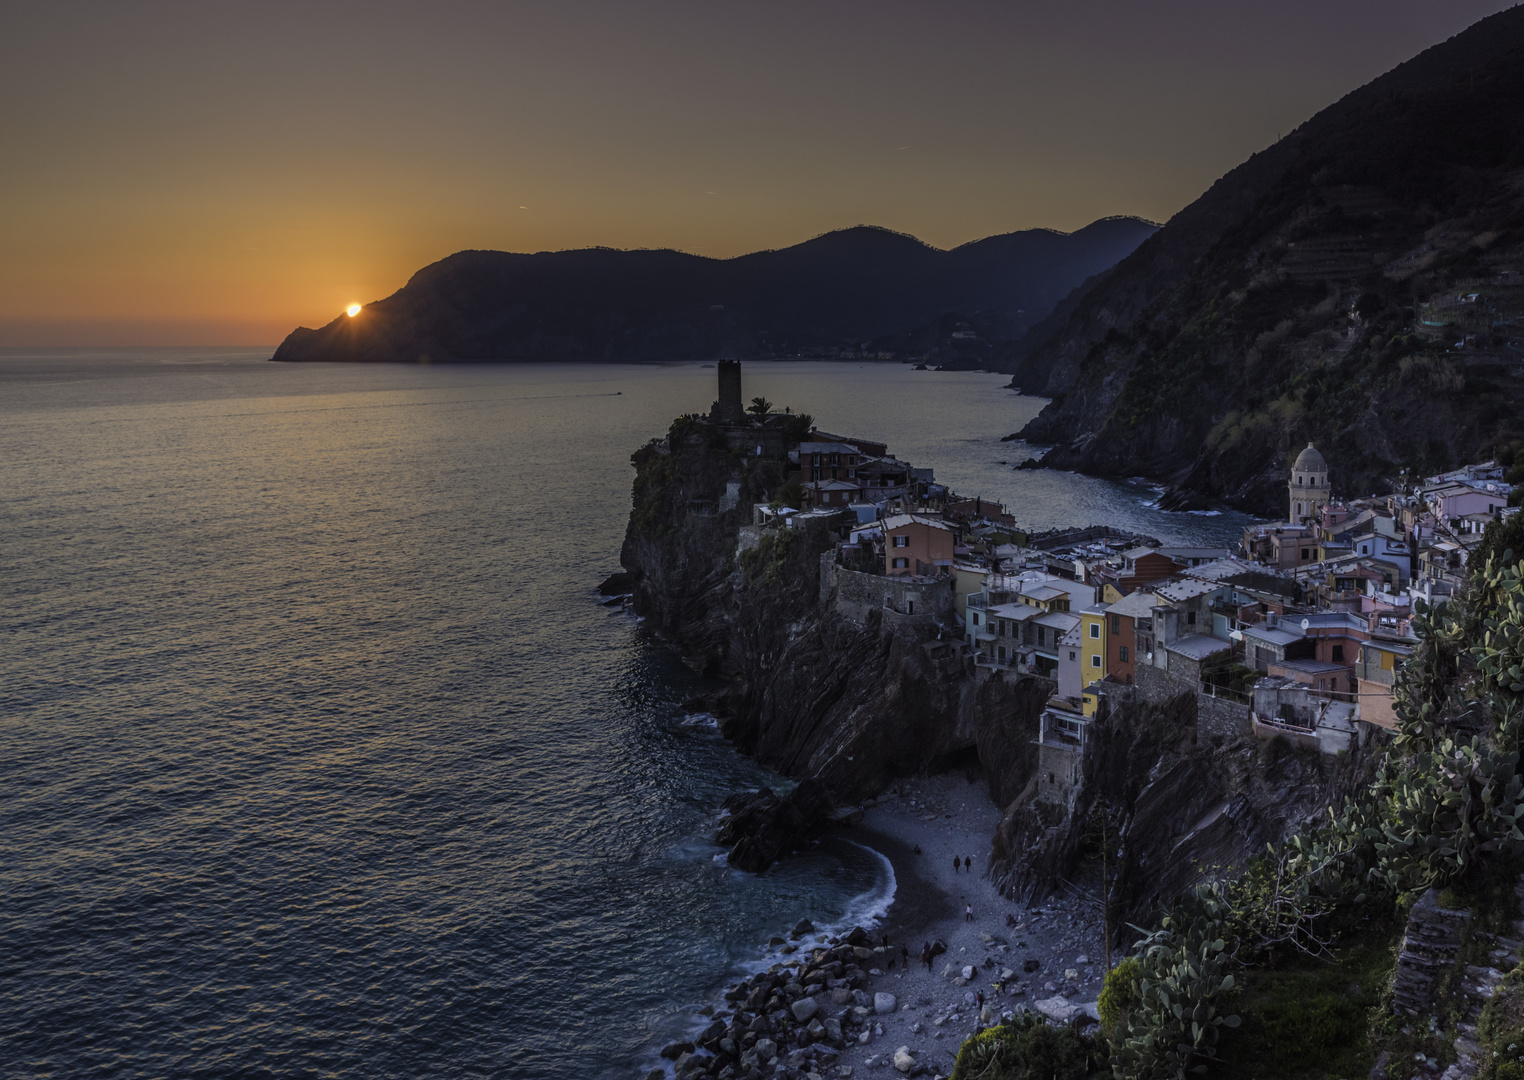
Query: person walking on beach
point(968, 913)
point(905, 955)
point(968, 863)
point(955, 864)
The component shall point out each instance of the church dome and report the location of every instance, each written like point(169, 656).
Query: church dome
point(1310, 460)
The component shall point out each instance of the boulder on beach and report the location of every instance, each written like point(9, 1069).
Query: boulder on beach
point(904, 1060)
point(883, 1003)
point(1057, 1008)
point(766, 1050)
point(673, 1051)
point(804, 1008)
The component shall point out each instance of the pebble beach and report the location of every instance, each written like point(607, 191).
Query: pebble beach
point(843, 1006)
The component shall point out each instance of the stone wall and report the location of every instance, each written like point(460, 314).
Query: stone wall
point(1215, 716)
point(1156, 686)
point(748, 537)
point(856, 594)
point(1221, 717)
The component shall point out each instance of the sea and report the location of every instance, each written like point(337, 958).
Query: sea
point(321, 756)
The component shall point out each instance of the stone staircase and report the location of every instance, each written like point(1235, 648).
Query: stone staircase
point(1430, 951)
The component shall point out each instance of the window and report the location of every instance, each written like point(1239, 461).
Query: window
point(902, 541)
point(1116, 624)
point(1071, 654)
point(1000, 652)
point(902, 564)
point(1338, 654)
point(1304, 553)
point(909, 607)
point(1190, 618)
point(1095, 660)
point(835, 459)
point(1095, 629)
point(1122, 654)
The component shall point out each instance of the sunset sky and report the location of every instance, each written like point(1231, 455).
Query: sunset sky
point(218, 173)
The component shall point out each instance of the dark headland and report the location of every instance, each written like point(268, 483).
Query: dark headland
point(855, 291)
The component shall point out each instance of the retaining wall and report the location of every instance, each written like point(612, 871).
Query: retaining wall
point(856, 594)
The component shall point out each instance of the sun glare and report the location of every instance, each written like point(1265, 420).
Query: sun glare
point(353, 309)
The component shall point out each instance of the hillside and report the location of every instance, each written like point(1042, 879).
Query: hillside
point(841, 291)
point(1358, 284)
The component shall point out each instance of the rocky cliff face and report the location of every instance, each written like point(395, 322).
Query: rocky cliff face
point(1179, 805)
point(1356, 284)
point(811, 693)
point(854, 705)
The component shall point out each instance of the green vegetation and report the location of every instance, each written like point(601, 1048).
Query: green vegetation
point(1117, 997)
point(1307, 1018)
point(766, 561)
point(1028, 1049)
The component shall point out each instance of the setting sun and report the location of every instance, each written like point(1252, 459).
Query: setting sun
point(353, 310)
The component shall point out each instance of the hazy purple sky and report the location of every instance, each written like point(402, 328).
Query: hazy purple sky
point(222, 171)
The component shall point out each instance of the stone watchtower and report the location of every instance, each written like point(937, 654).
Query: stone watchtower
point(728, 409)
point(1308, 486)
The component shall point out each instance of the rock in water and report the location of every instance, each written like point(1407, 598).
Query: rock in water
point(883, 1003)
point(762, 827)
point(620, 584)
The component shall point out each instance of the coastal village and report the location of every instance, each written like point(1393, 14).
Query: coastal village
point(1296, 634)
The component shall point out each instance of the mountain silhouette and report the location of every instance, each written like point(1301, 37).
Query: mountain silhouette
point(857, 287)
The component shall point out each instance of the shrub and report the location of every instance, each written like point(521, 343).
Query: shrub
point(1118, 994)
point(1027, 1048)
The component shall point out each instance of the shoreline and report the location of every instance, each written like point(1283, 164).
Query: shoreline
point(849, 1029)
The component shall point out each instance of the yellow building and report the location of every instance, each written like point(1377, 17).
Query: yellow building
point(1093, 641)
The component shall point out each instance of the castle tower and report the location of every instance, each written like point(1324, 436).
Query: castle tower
point(1307, 486)
point(728, 409)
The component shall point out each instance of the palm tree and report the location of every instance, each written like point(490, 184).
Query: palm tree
point(759, 407)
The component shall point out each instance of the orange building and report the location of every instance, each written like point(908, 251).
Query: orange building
point(918, 545)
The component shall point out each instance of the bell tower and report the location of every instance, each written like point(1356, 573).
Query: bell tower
point(1307, 486)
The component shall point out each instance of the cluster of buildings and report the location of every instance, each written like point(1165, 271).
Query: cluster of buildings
point(1299, 631)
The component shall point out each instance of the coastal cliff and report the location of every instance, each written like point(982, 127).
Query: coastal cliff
point(856, 699)
point(811, 692)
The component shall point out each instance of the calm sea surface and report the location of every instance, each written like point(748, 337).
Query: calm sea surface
point(318, 755)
